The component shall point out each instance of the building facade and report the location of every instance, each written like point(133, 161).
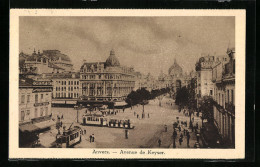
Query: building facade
point(106, 81)
point(175, 79)
point(66, 87)
point(223, 77)
point(49, 61)
point(34, 100)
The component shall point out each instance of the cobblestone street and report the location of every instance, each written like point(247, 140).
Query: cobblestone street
point(146, 133)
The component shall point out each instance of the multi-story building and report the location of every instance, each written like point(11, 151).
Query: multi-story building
point(66, 87)
point(34, 107)
point(106, 81)
point(223, 77)
point(49, 61)
point(204, 74)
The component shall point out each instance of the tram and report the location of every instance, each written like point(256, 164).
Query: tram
point(69, 137)
point(103, 121)
point(94, 120)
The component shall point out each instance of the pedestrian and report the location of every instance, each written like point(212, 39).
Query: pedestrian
point(174, 133)
point(93, 138)
point(134, 113)
point(188, 139)
point(85, 131)
point(198, 137)
point(165, 128)
point(179, 128)
point(90, 138)
point(62, 116)
point(159, 142)
point(137, 116)
point(126, 134)
point(61, 123)
point(184, 132)
point(148, 115)
point(180, 140)
point(181, 136)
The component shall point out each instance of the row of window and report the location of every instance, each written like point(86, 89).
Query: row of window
point(64, 88)
point(227, 97)
point(27, 99)
point(25, 114)
point(69, 95)
point(69, 82)
point(106, 76)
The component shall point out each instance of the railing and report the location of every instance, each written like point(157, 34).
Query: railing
point(230, 107)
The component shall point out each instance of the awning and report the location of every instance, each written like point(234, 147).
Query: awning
point(28, 127)
point(120, 103)
point(44, 124)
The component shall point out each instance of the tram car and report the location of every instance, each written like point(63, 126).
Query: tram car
point(103, 121)
point(116, 123)
point(69, 137)
point(94, 120)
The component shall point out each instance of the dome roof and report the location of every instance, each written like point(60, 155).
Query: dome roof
point(112, 59)
point(175, 68)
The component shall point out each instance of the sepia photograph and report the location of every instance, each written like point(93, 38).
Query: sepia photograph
point(127, 82)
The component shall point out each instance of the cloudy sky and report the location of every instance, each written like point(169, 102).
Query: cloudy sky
point(149, 44)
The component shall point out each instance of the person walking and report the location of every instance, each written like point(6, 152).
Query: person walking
point(180, 140)
point(188, 139)
point(148, 115)
point(137, 116)
point(90, 138)
point(159, 142)
point(134, 113)
point(179, 128)
point(93, 138)
point(198, 137)
point(126, 134)
point(165, 128)
point(181, 136)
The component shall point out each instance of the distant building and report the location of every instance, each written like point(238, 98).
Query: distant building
point(49, 61)
point(106, 81)
point(34, 107)
point(66, 87)
point(223, 77)
point(204, 74)
point(175, 79)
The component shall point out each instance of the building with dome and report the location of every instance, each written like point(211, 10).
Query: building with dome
point(106, 81)
point(175, 79)
point(49, 61)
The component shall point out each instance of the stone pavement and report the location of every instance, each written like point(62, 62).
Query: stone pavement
point(146, 133)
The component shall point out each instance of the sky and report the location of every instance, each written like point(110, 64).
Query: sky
point(149, 44)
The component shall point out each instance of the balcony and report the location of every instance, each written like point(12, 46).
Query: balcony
point(230, 107)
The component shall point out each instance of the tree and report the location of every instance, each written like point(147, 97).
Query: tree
point(206, 107)
point(182, 97)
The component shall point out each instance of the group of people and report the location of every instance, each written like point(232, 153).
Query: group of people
point(142, 116)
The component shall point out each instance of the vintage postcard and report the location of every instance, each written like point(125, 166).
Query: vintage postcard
point(127, 84)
